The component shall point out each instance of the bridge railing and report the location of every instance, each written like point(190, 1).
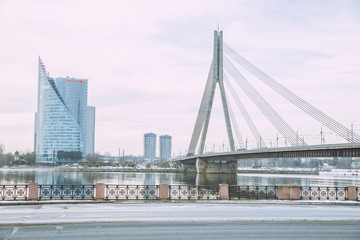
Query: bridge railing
point(124, 192)
point(194, 192)
point(14, 192)
point(25, 192)
point(252, 192)
point(324, 193)
point(66, 192)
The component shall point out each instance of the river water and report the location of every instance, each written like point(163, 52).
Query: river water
point(49, 176)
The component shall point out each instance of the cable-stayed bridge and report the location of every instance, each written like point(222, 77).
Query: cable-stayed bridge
point(223, 72)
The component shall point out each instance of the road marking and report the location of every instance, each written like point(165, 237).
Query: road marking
point(59, 227)
point(15, 230)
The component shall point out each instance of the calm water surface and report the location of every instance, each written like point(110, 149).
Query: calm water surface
point(49, 176)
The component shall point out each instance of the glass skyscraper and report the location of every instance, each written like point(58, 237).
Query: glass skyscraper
point(165, 147)
point(150, 146)
point(61, 121)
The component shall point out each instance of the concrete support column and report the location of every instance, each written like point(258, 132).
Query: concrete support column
point(33, 191)
point(224, 191)
point(163, 191)
point(204, 166)
point(351, 193)
point(288, 192)
point(100, 191)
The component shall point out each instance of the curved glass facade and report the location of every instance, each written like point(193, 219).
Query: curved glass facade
point(61, 120)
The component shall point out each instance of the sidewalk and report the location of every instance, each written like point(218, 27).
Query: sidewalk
point(282, 202)
point(184, 211)
point(182, 220)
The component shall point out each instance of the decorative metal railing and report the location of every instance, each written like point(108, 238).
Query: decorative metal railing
point(252, 192)
point(323, 193)
point(174, 192)
point(13, 192)
point(66, 192)
point(193, 192)
point(115, 192)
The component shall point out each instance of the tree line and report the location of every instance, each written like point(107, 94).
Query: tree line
point(11, 159)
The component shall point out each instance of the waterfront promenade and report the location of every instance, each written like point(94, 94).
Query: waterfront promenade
point(182, 220)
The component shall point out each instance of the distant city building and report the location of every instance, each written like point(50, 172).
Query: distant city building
point(149, 145)
point(165, 147)
point(63, 125)
point(90, 141)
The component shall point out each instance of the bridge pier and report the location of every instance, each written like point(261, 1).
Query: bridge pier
point(215, 166)
point(215, 179)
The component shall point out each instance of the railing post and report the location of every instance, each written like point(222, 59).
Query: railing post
point(224, 191)
point(288, 192)
point(33, 191)
point(163, 191)
point(351, 193)
point(100, 191)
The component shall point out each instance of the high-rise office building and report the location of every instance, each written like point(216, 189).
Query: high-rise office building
point(150, 146)
point(61, 120)
point(74, 93)
point(165, 147)
point(90, 143)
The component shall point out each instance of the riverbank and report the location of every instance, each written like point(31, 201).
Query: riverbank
point(121, 169)
point(277, 171)
point(181, 170)
point(269, 171)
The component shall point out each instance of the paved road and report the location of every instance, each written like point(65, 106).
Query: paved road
point(186, 220)
point(228, 230)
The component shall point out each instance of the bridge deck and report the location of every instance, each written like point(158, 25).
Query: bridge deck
point(315, 151)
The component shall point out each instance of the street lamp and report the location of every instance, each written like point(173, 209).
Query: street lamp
point(321, 136)
point(352, 131)
point(297, 137)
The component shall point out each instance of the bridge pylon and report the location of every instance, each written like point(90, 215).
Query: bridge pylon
point(215, 77)
point(226, 163)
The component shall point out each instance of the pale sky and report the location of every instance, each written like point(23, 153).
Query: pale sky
point(147, 64)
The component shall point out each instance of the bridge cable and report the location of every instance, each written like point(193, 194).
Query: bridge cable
point(264, 106)
point(275, 121)
point(291, 136)
point(293, 98)
point(294, 102)
point(234, 123)
point(245, 114)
